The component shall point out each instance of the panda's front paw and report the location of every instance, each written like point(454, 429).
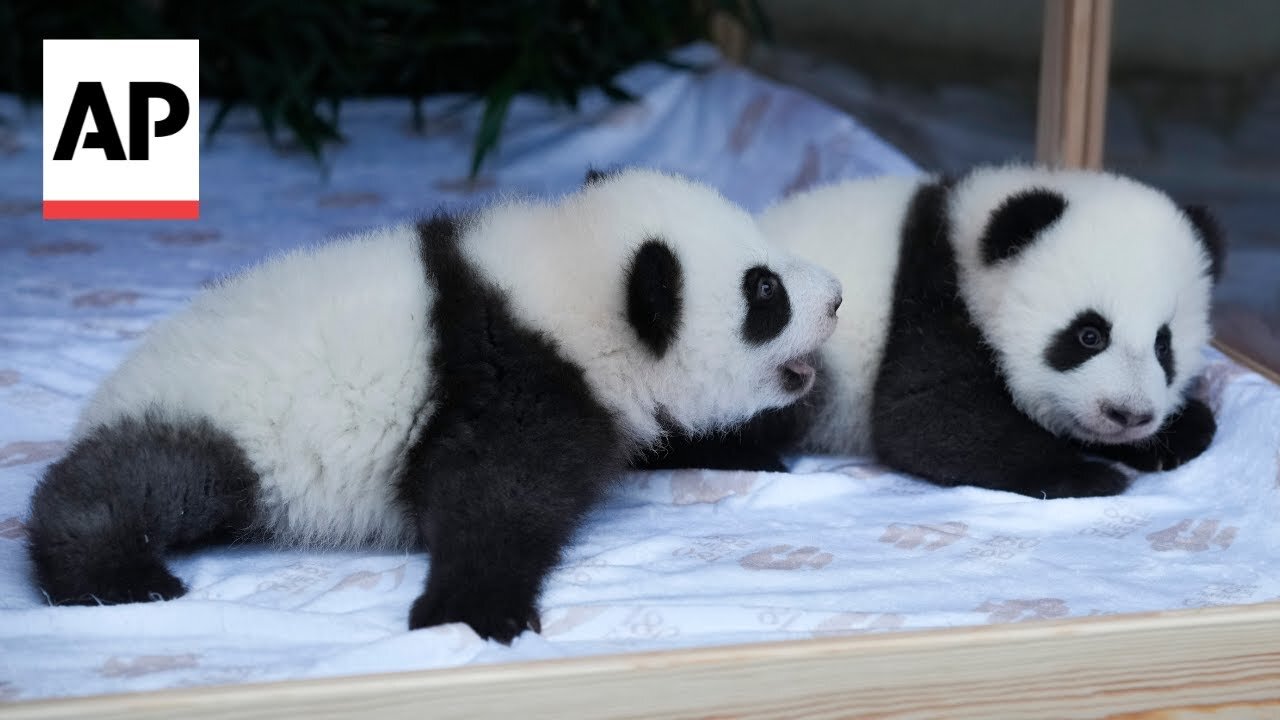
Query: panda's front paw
point(1087, 478)
point(1186, 436)
point(497, 616)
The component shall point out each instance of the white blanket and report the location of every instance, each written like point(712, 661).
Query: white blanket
point(671, 559)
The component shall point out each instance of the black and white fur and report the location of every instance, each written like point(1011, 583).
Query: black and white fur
point(1011, 329)
point(469, 385)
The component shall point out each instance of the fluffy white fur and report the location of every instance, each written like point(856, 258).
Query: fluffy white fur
point(317, 361)
point(1121, 248)
point(851, 227)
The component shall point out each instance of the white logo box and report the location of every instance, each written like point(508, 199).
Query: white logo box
point(90, 186)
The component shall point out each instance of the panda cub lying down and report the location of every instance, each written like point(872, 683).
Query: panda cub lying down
point(1015, 328)
point(468, 385)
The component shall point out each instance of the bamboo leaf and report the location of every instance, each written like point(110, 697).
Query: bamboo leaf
point(495, 113)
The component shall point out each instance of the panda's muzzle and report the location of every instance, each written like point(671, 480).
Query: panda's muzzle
point(798, 374)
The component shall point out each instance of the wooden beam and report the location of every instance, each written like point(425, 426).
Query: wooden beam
point(1242, 357)
point(1074, 57)
point(1214, 662)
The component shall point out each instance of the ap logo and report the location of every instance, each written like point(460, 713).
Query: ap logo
point(121, 129)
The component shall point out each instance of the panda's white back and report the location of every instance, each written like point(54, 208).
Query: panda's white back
point(318, 364)
point(854, 229)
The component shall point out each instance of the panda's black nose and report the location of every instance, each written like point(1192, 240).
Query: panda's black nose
point(835, 305)
point(1126, 417)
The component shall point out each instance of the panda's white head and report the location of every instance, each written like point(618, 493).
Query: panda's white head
point(714, 323)
point(1092, 290)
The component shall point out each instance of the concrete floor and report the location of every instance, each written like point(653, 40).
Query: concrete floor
point(1199, 141)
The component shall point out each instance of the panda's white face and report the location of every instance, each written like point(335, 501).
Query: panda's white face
point(1094, 293)
point(669, 297)
point(727, 322)
point(752, 319)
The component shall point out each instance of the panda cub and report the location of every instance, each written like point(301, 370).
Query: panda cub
point(468, 385)
point(1015, 328)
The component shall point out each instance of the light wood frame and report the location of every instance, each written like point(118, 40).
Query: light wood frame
point(1075, 54)
point(1215, 662)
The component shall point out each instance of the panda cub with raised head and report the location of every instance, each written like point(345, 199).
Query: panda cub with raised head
point(1015, 328)
point(468, 385)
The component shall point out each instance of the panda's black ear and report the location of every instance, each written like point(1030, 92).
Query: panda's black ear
point(1018, 221)
point(595, 175)
point(1210, 234)
point(653, 295)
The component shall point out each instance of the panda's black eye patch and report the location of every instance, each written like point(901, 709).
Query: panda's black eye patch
point(768, 307)
point(1088, 334)
point(1164, 352)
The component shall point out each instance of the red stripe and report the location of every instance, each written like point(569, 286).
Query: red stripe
point(121, 209)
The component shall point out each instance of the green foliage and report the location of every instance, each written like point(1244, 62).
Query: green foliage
point(295, 61)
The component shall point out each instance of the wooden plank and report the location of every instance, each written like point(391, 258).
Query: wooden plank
point(1075, 56)
point(1243, 358)
point(1213, 662)
point(1049, 140)
point(1097, 83)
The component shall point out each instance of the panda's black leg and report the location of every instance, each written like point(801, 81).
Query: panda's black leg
point(495, 522)
point(517, 449)
point(104, 515)
point(710, 452)
point(757, 444)
point(994, 446)
point(1182, 438)
point(499, 481)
